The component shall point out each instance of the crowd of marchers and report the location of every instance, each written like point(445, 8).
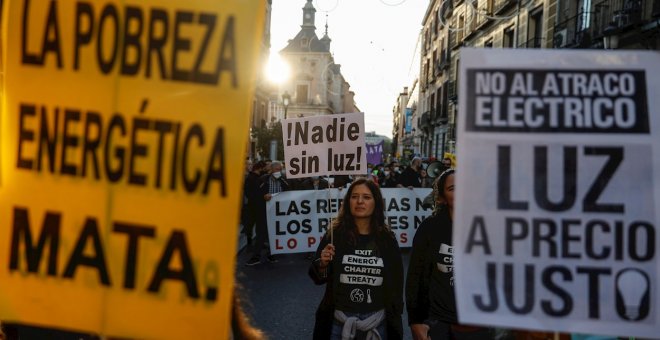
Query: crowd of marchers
point(360, 263)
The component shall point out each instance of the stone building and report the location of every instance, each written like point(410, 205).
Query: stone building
point(264, 90)
point(316, 85)
point(449, 25)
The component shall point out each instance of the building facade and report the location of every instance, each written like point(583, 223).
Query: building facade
point(262, 107)
point(405, 144)
point(449, 25)
point(316, 85)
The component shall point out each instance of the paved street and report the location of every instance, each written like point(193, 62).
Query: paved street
point(281, 297)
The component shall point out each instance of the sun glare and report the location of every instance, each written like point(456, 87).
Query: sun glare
point(277, 70)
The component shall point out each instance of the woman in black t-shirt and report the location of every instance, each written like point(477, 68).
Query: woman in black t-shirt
point(430, 300)
point(362, 270)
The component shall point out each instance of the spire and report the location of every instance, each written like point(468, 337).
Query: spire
point(326, 39)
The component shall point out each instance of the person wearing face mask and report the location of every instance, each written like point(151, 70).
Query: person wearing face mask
point(388, 179)
point(271, 183)
point(396, 172)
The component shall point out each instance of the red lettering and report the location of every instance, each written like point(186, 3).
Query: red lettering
point(311, 241)
point(277, 244)
point(403, 237)
point(292, 243)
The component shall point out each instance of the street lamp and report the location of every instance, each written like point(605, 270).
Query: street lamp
point(286, 99)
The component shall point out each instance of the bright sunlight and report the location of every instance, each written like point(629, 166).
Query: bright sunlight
point(277, 70)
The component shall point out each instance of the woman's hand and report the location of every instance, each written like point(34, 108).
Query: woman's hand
point(327, 254)
point(420, 331)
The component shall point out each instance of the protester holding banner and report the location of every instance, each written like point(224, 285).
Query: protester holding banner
point(410, 177)
point(253, 203)
point(430, 300)
point(362, 270)
point(271, 184)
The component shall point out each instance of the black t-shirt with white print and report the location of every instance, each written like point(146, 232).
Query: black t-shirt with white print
point(442, 277)
point(358, 277)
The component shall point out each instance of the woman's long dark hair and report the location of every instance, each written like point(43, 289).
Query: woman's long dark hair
point(439, 190)
point(344, 225)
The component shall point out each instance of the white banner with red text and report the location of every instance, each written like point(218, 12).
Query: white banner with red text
point(297, 220)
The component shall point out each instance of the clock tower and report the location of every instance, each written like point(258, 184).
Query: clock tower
point(308, 15)
point(316, 86)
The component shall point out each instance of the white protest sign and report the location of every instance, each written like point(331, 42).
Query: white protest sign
point(297, 220)
point(561, 234)
point(324, 145)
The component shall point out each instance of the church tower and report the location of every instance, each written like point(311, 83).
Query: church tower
point(316, 86)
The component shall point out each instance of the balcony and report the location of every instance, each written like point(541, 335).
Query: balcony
point(501, 5)
point(455, 39)
point(573, 32)
point(444, 59)
point(532, 43)
point(425, 121)
point(486, 11)
point(441, 115)
point(620, 14)
point(437, 70)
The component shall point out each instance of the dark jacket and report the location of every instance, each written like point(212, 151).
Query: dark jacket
point(393, 286)
point(253, 195)
point(308, 184)
point(388, 181)
point(428, 298)
point(253, 203)
point(410, 178)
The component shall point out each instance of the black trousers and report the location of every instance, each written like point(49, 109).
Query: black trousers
point(262, 235)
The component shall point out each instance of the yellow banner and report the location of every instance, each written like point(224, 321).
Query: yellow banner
point(123, 134)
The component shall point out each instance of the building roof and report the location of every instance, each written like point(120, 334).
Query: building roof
point(306, 40)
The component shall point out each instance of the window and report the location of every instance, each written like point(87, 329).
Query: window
point(461, 26)
point(434, 62)
point(302, 94)
point(585, 14)
point(457, 70)
point(489, 43)
point(535, 28)
point(438, 102)
point(507, 39)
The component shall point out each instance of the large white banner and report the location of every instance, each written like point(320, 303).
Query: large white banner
point(561, 232)
point(297, 220)
point(324, 145)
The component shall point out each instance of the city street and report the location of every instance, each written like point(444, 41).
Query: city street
point(281, 299)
